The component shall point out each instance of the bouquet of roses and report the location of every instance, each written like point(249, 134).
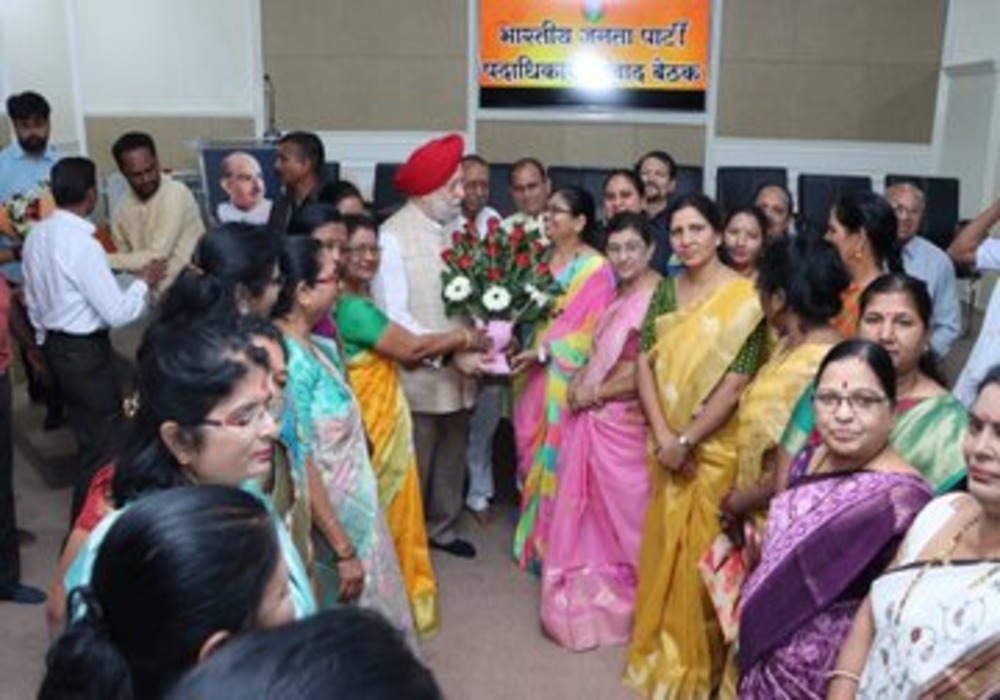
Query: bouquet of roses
point(498, 280)
point(504, 275)
point(23, 210)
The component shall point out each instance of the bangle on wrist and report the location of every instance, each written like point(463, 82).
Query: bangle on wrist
point(543, 355)
point(842, 673)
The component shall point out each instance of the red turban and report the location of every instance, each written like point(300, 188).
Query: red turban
point(430, 166)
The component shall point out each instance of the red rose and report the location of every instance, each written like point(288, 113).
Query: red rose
point(493, 224)
point(543, 269)
point(465, 262)
point(538, 246)
point(456, 238)
point(492, 251)
point(523, 260)
point(516, 236)
point(448, 256)
point(493, 275)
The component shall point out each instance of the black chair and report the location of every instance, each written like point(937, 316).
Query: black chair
point(941, 196)
point(737, 186)
point(690, 180)
point(564, 176)
point(818, 193)
point(331, 171)
point(500, 198)
point(385, 196)
point(592, 180)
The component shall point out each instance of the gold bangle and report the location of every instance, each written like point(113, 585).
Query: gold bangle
point(842, 673)
point(466, 338)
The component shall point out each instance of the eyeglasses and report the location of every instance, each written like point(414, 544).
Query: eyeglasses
point(858, 401)
point(907, 211)
point(630, 248)
point(363, 249)
point(553, 210)
point(250, 416)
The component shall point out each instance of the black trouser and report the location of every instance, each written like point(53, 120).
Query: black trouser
point(10, 560)
point(84, 367)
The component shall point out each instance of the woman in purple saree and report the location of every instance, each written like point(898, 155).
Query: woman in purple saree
point(831, 533)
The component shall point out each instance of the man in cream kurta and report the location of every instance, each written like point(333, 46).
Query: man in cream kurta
point(409, 288)
point(159, 218)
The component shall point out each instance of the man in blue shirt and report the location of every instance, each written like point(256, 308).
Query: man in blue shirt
point(24, 164)
point(928, 263)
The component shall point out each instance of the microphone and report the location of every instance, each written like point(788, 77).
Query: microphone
point(272, 133)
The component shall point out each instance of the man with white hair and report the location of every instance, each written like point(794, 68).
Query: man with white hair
point(928, 263)
point(243, 183)
point(408, 287)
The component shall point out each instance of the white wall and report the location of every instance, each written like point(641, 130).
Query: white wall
point(142, 57)
point(35, 55)
point(191, 57)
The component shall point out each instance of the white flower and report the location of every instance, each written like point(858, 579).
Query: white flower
point(536, 295)
point(496, 299)
point(458, 290)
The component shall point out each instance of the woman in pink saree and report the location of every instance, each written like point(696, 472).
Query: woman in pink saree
point(559, 347)
point(589, 574)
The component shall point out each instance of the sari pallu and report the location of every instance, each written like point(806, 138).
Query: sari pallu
point(677, 646)
point(333, 434)
point(540, 408)
point(590, 570)
point(828, 537)
point(767, 404)
point(386, 414)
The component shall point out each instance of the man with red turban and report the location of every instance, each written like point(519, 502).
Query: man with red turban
point(408, 287)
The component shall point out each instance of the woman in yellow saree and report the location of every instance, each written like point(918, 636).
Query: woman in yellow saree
point(373, 345)
point(704, 338)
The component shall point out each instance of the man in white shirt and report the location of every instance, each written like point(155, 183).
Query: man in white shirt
point(73, 299)
point(159, 218)
point(926, 262)
point(490, 399)
point(529, 188)
point(776, 203)
point(408, 287)
point(971, 248)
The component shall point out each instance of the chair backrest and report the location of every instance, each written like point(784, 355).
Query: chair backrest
point(331, 171)
point(818, 193)
point(564, 176)
point(385, 196)
point(690, 180)
point(592, 180)
point(737, 186)
point(941, 195)
point(500, 198)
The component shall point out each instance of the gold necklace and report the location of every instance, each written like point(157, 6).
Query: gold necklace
point(942, 559)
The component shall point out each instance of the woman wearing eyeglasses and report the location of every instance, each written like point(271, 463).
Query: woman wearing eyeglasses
point(203, 418)
point(931, 626)
point(850, 501)
point(896, 313)
point(374, 347)
point(589, 574)
point(330, 429)
point(559, 347)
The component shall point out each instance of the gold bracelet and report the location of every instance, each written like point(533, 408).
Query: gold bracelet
point(466, 339)
point(841, 673)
